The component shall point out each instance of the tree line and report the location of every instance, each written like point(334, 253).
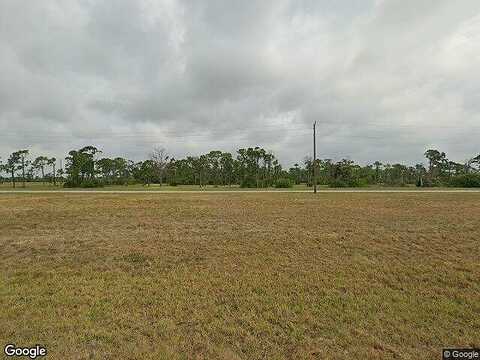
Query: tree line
point(248, 167)
point(19, 161)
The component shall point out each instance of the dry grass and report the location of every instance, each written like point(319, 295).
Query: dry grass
point(240, 276)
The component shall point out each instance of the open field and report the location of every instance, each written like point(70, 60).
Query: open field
point(240, 276)
point(38, 186)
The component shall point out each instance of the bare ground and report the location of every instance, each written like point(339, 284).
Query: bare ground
point(240, 276)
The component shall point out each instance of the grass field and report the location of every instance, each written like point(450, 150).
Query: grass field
point(7, 186)
point(240, 276)
point(39, 186)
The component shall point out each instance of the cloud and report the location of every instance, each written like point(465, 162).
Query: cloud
point(384, 79)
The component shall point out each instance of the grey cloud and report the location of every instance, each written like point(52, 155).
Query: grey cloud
point(384, 78)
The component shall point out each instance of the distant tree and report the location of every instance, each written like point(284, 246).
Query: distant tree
point(106, 167)
point(307, 165)
point(213, 164)
point(258, 153)
point(378, 166)
point(201, 165)
point(159, 158)
point(52, 162)
point(436, 161)
point(121, 172)
point(343, 174)
point(268, 159)
point(171, 172)
point(80, 166)
point(398, 174)
point(296, 173)
point(148, 169)
point(420, 172)
point(22, 162)
point(227, 168)
point(12, 165)
point(39, 164)
point(249, 166)
point(277, 170)
point(473, 164)
point(325, 171)
point(60, 174)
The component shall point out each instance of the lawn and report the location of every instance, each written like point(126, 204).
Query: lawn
point(240, 276)
point(39, 186)
point(7, 186)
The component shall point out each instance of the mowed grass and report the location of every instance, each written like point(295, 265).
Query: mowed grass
point(39, 186)
point(240, 276)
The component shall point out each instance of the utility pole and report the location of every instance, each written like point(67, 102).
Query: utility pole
point(314, 159)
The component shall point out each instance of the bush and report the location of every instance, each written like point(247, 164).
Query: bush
point(428, 182)
point(283, 183)
point(362, 183)
point(120, 181)
point(467, 181)
point(339, 183)
point(173, 183)
point(248, 183)
point(68, 184)
point(91, 183)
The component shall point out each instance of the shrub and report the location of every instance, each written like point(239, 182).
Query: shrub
point(248, 183)
point(91, 183)
point(467, 181)
point(120, 181)
point(362, 183)
point(173, 183)
point(428, 182)
point(283, 183)
point(69, 184)
point(339, 183)
point(336, 183)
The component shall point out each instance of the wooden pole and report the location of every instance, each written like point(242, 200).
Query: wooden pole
point(314, 158)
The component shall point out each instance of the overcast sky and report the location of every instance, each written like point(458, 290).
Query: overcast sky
point(385, 79)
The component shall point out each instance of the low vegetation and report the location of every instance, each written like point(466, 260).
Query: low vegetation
point(240, 276)
point(283, 183)
point(250, 168)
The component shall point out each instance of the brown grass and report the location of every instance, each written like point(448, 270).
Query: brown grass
point(240, 276)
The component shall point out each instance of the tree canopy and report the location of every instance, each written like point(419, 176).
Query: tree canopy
point(248, 167)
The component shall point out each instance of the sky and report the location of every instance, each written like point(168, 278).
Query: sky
point(384, 79)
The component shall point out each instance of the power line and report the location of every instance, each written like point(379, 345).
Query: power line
point(378, 127)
